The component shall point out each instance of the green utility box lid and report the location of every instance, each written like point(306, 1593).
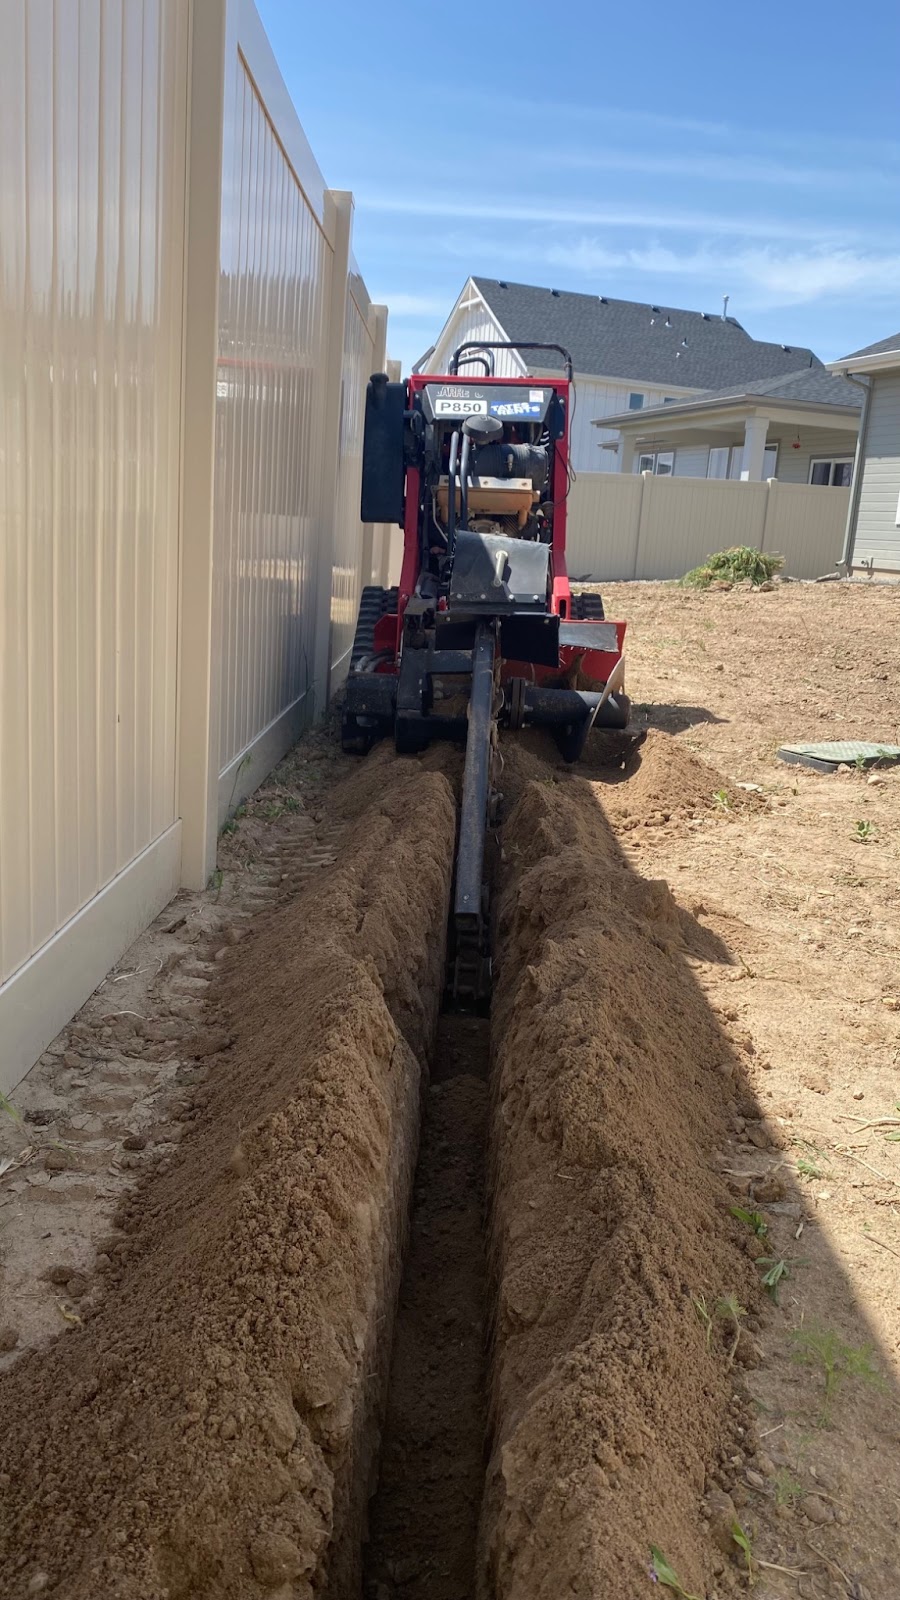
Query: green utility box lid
point(834, 753)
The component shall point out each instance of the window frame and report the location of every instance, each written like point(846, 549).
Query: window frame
point(831, 462)
point(636, 401)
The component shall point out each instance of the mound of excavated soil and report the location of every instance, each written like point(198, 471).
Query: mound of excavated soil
point(210, 1432)
point(666, 781)
point(612, 1412)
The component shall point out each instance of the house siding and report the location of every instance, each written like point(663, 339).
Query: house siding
point(473, 322)
point(599, 398)
point(877, 535)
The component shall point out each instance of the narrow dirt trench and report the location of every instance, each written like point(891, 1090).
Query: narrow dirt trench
point(423, 1523)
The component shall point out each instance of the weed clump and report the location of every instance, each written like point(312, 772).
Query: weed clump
point(737, 565)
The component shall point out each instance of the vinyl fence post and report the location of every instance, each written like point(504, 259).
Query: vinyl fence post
point(339, 226)
point(643, 518)
point(198, 652)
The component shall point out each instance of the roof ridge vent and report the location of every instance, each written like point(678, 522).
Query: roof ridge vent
point(555, 293)
point(603, 300)
point(501, 284)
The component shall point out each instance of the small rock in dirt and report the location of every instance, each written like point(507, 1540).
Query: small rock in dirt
point(758, 1136)
point(749, 1352)
point(891, 1001)
point(859, 1094)
point(77, 1286)
point(37, 1583)
point(816, 1081)
point(228, 1429)
point(134, 1141)
point(60, 1273)
point(769, 1188)
point(755, 1480)
point(818, 1511)
point(276, 1559)
point(721, 1512)
point(9, 1338)
point(874, 778)
point(56, 1161)
point(765, 1464)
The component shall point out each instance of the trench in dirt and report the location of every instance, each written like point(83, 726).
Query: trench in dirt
point(423, 1520)
point(260, 1270)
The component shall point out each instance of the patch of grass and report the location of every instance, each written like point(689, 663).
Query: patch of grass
point(735, 565)
point(661, 1571)
point(824, 1349)
point(863, 832)
point(215, 882)
point(752, 1219)
point(723, 800)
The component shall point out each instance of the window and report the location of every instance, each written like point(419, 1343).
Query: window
point(661, 462)
point(728, 462)
point(831, 474)
point(668, 400)
point(635, 402)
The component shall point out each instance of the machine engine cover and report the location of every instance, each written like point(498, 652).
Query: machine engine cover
point(493, 575)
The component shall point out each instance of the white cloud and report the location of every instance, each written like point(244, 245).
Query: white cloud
point(764, 277)
point(544, 214)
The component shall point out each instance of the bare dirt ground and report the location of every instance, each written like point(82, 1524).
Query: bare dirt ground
point(802, 895)
point(698, 1005)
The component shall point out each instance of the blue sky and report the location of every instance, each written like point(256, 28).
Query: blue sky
point(665, 153)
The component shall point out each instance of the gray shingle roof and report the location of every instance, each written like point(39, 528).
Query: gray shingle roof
point(891, 343)
point(637, 341)
point(810, 386)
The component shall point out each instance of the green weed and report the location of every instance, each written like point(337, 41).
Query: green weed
point(824, 1349)
point(863, 832)
point(734, 566)
point(774, 1270)
point(753, 1219)
point(9, 1110)
point(698, 1301)
point(788, 1489)
point(742, 1540)
point(662, 1572)
point(723, 800)
point(808, 1169)
point(728, 1308)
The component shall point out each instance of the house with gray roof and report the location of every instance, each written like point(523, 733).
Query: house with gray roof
point(628, 355)
point(800, 427)
point(872, 542)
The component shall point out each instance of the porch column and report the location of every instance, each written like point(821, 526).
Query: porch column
point(755, 431)
point(626, 454)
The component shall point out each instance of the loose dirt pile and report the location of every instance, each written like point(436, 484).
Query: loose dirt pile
point(613, 1411)
point(664, 781)
point(210, 1432)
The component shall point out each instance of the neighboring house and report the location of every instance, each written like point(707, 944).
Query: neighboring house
point(628, 355)
point(873, 524)
point(801, 428)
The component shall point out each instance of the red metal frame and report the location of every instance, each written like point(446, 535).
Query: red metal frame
point(594, 664)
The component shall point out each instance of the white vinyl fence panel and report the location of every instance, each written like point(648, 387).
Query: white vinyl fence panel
point(92, 152)
point(184, 345)
point(642, 526)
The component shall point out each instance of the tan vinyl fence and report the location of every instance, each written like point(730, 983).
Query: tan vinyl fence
point(625, 526)
point(186, 340)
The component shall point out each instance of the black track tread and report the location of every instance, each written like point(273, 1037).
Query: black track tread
point(374, 603)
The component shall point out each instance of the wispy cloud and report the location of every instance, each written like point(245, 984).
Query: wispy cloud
point(720, 167)
point(545, 213)
point(763, 277)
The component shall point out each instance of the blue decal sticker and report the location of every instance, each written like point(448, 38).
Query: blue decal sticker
point(516, 408)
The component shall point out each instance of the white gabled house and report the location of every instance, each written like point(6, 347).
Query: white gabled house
point(628, 355)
